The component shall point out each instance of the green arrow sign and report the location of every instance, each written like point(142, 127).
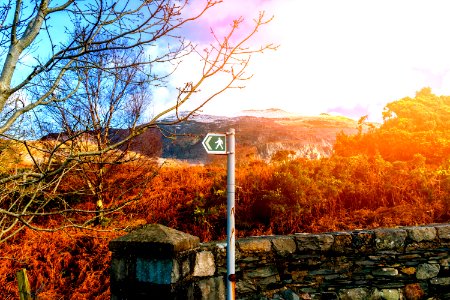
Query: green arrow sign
point(215, 143)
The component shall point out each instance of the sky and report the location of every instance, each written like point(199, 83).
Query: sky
point(349, 57)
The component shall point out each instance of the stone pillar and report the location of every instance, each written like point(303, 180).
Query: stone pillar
point(153, 262)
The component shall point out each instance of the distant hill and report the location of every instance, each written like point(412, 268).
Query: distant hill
point(275, 113)
point(266, 131)
point(260, 133)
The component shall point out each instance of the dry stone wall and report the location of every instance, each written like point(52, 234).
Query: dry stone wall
point(398, 263)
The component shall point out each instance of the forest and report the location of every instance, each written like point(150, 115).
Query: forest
point(390, 175)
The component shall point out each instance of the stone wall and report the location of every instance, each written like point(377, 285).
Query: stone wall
point(401, 263)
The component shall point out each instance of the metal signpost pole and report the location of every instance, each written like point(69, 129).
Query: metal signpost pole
point(231, 188)
point(220, 143)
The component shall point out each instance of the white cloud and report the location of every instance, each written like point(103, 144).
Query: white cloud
point(333, 54)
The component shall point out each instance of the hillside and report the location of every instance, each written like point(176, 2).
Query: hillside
point(259, 133)
point(263, 132)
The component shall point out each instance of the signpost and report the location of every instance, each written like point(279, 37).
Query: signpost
point(215, 143)
point(219, 143)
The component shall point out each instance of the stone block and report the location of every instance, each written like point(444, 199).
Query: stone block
point(363, 241)
point(185, 268)
point(443, 231)
point(254, 245)
point(165, 271)
point(414, 291)
point(385, 272)
point(419, 234)
point(342, 242)
point(204, 264)
point(284, 245)
point(427, 271)
point(246, 286)
point(409, 257)
point(304, 296)
point(414, 246)
point(354, 294)
point(266, 271)
point(340, 264)
point(408, 270)
point(212, 288)
point(155, 241)
point(387, 294)
point(290, 295)
point(264, 282)
point(325, 295)
point(314, 242)
point(118, 269)
point(444, 281)
point(390, 239)
point(321, 272)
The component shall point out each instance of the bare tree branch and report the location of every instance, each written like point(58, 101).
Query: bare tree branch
point(86, 97)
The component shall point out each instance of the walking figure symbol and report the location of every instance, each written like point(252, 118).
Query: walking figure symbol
point(219, 144)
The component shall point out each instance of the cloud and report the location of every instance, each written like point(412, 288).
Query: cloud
point(347, 55)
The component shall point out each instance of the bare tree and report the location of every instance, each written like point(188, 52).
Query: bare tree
point(94, 75)
point(107, 106)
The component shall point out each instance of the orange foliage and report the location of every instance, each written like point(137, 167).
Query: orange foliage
point(418, 125)
point(60, 265)
point(398, 174)
point(339, 193)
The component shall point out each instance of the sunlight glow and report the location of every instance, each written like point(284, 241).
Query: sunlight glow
point(348, 57)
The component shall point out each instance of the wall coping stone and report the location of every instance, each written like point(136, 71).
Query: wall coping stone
point(154, 240)
point(390, 239)
point(419, 234)
point(254, 244)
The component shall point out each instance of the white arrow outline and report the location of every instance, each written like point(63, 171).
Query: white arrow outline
point(208, 139)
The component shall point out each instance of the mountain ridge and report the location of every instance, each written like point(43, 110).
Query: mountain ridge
point(264, 133)
point(259, 134)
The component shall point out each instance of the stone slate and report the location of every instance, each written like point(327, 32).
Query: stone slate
point(419, 234)
point(204, 264)
point(385, 272)
point(290, 295)
point(387, 294)
point(262, 272)
point(427, 271)
point(254, 245)
point(390, 239)
point(212, 289)
point(441, 281)
point(444, 232)
point(342, 242)
point(354, 294)
point(284, 245)
point(363, 241)
point(314, 242)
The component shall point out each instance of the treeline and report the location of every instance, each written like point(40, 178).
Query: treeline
point(411, 126)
